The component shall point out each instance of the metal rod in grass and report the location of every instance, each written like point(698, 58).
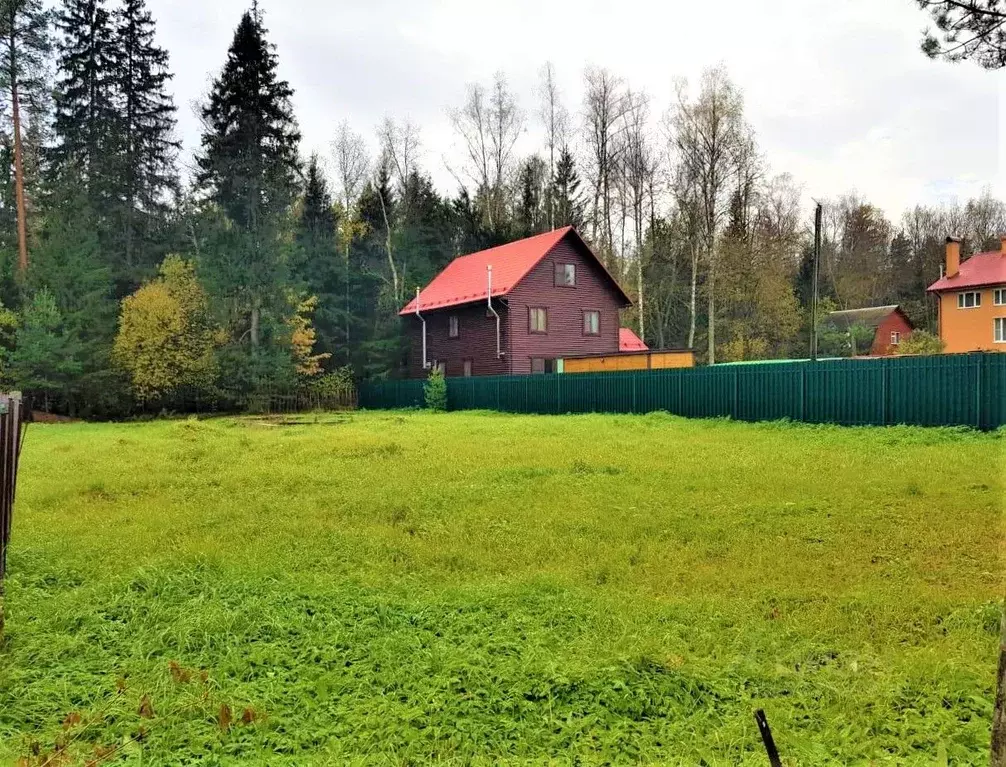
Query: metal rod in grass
point(767, 739)
point(998, 753)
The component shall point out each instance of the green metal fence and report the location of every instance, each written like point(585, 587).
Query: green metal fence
point(947, 390)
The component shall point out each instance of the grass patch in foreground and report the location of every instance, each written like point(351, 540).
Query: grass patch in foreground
point(479, 588)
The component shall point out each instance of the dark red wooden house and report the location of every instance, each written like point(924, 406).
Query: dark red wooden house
point(889, 325)
point(515, 309)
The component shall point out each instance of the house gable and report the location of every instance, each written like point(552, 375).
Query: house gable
point(524, 278)
point(595, 291)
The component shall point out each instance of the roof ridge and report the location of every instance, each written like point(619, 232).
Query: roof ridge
point(457, 284)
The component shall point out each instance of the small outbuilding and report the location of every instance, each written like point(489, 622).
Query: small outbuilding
point(889, 326)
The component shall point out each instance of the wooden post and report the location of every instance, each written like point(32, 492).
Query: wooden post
point(998, 755)
point(10, 446)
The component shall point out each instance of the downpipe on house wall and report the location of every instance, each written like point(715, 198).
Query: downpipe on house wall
point(489, 298)
point(426, 365)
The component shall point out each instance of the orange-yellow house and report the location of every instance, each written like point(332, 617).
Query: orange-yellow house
point(972, 300)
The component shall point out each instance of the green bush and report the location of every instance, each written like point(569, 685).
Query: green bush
point(332, 390)
point(436, 391)
point(921, 342)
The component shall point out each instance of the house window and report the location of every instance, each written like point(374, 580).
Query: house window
point(895, 338)
point(969, 300)
point(538, 320)
point(592, 323)
point(999, 297)
point(452, 326)
point(565, 275)
point(467, 368)
point(542, 365)
point(999, 329)
point(440, 367)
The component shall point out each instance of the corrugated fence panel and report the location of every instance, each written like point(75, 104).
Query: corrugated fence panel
point(847, 392)
point(941, 391)
point(961, 389)
point(995, 385)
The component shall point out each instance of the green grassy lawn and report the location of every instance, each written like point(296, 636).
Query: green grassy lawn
point(390, 588)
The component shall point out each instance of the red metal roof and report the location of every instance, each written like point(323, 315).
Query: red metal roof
point(630, 342)
point(464, 279)
point(979, 270)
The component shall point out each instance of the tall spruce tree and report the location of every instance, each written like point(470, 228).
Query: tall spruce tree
point(316, 266)
point(249, 165)
point(26, 40)
point(566, 194)
point(85, 109)
point(147, 174)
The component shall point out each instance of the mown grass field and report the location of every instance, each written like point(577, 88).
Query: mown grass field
point(392, 588)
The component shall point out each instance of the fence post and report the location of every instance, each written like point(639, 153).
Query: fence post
point(978, 391)
point(10, 449)
point(885, 392)
point(803, 392)
point(736, 399)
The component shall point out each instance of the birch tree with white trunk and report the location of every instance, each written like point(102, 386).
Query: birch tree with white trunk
point(704, 135)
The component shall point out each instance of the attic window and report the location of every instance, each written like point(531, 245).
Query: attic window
point(970, 300)
point(565, 275)
point(895, 338)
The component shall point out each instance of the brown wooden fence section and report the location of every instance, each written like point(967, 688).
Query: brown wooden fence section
point(12, 422)
point(665, 359)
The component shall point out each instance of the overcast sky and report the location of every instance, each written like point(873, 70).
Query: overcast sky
point(837, 90)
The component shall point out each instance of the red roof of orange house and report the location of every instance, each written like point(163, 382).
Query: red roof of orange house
point(630, 342)
point(464, 279)
point(979, 270)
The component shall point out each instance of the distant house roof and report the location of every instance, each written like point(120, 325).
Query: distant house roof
point(630, 342)
point(979, 270)
point(464, 279)
point(869, 317)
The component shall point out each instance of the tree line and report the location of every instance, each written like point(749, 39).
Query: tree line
point(124, 283)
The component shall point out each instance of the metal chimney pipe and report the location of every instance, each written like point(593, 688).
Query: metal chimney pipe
point(426, 365)
point(489, 299)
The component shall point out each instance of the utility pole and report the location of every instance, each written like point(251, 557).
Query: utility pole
point(814, 294)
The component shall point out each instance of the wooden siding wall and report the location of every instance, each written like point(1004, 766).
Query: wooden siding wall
point(565, 336)
point(476, 341)
point(631, 361)
point(893, 323)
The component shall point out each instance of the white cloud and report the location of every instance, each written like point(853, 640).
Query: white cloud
point(838, 92)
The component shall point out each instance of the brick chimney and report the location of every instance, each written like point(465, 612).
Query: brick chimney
point(953, 263)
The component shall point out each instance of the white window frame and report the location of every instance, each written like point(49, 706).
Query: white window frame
point(895, 338)
point(999, 330)
point(533, 312)
point(999, 297)
point(594, 313)
point(962, 301)
point(568, 275)
point(453, 326)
